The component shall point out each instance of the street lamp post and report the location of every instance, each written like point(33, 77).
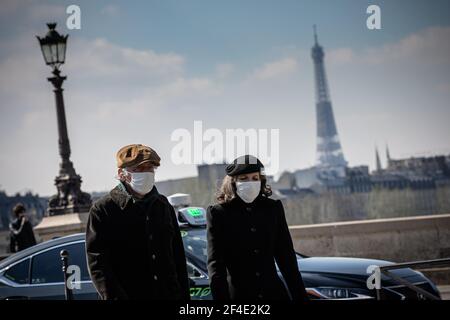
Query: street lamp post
point(70, 198)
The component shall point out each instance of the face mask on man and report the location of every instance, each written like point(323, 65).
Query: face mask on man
point(141, 182)
point(248, 190)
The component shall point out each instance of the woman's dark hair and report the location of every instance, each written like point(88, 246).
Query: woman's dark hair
point(227, 190)
point(18, 209)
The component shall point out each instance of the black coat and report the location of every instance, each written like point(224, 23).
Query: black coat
point(21, 235)
point(134, 248)
point(244, 241)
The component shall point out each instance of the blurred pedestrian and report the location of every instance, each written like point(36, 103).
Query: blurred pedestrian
point(21, 230)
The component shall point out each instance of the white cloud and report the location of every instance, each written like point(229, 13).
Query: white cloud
point(100, 58)
point(340, 56)
point(224, 70)
point(431, 46)
point(275, 69)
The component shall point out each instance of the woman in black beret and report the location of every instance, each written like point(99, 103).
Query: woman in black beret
point(247, 233)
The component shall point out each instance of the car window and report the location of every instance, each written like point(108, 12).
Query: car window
point(19, 273)
point(193, 272)
point(47, 266)
point(195, 242)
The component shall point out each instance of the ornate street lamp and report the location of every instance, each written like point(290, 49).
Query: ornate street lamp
point(70, 198)
point(53, 47)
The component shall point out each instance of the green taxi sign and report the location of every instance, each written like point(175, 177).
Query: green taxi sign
point(194, 216)
point(195, 212)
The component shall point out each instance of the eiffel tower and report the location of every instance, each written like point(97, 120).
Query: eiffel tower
point(329, 156)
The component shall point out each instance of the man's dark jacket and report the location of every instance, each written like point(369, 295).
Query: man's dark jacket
point(244, 241)
point(134, 248)
point(21, 235)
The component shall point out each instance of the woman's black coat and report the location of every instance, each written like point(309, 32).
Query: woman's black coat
point(244, 241)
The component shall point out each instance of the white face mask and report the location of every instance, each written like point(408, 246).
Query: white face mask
point(248, 190)
point(141, 182)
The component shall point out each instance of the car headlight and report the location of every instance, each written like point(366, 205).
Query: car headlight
point(338, 293)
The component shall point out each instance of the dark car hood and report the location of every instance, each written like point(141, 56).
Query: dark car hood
point(349, 266)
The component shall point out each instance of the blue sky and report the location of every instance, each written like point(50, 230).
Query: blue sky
point(138, 70)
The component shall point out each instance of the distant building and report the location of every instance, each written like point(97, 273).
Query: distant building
point(419, 172)
point(168, 187)
point(359, 179)
point(211, 175)
point(413, 173)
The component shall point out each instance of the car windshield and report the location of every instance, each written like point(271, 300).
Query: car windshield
point(194, 241)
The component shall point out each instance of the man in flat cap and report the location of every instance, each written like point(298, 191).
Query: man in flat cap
point(133, 242)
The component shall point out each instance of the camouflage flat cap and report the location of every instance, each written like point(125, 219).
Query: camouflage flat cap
point(135, 154)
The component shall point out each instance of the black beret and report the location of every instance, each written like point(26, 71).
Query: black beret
point(244, 164)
